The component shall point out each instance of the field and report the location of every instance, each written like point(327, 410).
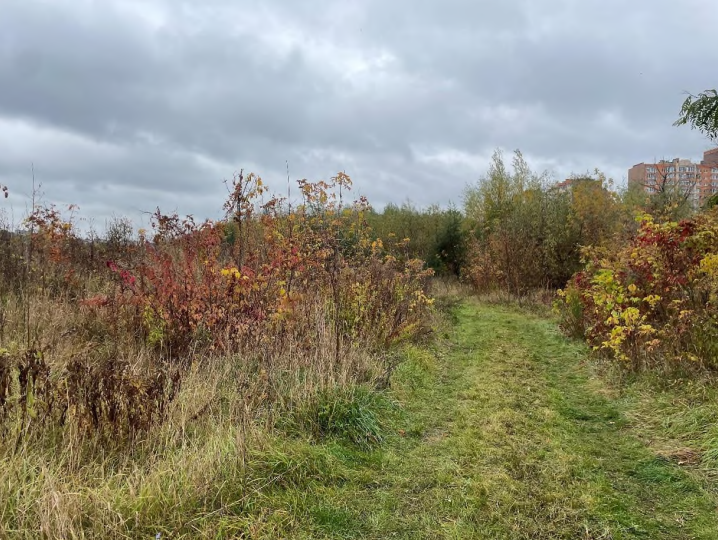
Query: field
point(498, 429)
point(302, 371)
point(503, 343)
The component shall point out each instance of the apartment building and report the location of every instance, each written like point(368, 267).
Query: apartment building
point(565, 186)
point(698, 180)
point(710, 157)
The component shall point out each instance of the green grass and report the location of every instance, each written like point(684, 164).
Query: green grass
point(508, 433)
point(502, 429)
point(356, 415)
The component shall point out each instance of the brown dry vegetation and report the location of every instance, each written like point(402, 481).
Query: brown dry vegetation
point(126, 357)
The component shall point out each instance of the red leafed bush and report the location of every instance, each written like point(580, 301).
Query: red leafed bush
point(654, 300)
point(233, 284)
point(269, 280)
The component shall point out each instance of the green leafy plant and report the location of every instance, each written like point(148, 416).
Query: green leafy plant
point(701, 113)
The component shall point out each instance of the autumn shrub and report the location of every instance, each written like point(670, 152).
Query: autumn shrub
point(57, 256)
point(527, 232)
point(104, 348)
point(653, 301)
point(381, 298)
point(187, 286)
point(46, 252)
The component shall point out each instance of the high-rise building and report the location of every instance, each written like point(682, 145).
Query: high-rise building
point(710, 157)
point(697, 180)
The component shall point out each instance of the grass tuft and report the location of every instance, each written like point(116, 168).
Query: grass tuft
point(356, 415)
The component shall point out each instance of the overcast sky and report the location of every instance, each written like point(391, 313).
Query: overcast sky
point(127, 105)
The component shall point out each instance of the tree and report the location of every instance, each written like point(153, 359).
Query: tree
point(670, 198)
point(436, 235)
point(450, 248)
point(522, 236)
point(595, 208)
point(712, 202)
point(701, 113)
point(494, 196)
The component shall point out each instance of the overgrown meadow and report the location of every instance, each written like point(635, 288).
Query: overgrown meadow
point(176, 380)
point(130, 364)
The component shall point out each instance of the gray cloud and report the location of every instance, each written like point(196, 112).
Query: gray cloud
point(123, 106)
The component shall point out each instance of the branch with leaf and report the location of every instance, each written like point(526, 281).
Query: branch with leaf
point(701, 113)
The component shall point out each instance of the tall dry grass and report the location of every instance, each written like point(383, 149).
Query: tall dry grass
point(213, 446)
point(147, 395)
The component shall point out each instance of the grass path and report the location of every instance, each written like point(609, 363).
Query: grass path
point(504, 435)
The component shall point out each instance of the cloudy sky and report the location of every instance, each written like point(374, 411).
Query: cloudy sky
point(124, 105)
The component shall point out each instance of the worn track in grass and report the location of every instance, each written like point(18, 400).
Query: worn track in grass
point(507, 435)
